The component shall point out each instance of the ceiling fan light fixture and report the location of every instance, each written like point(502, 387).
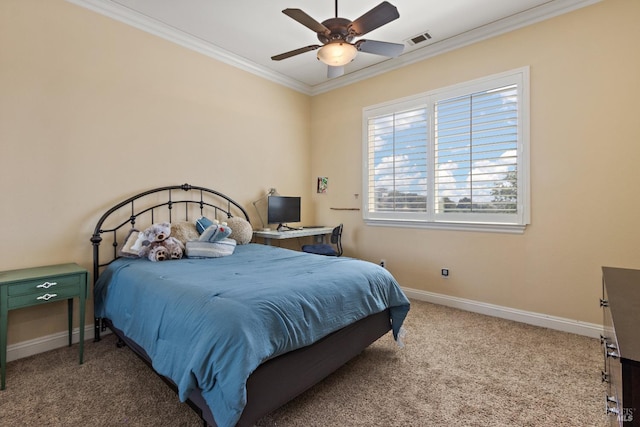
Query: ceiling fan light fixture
point(337, 54)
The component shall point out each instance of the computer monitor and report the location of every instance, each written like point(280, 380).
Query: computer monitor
point(283, 209)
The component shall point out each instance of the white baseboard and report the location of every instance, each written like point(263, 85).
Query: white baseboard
point(552, 322)
point(57, 340)
point(46, 343)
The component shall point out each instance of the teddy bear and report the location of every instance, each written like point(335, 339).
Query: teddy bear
point(155, 251)
point(156, 244)
point(175, 247)
point(156, 233)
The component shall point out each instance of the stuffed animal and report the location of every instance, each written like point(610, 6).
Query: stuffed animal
point(215, 233)
point(242, 232)
point(203, 223)
point(184, 231)
point(155, 251)
point(174, 247)
point(156, 233)
point(157, 245)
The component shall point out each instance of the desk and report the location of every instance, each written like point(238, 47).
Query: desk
point(41, 285)
point(291, 234)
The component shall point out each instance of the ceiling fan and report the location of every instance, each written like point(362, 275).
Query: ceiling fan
point(337, 34)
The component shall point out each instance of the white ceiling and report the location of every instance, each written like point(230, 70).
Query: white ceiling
point(246, 33)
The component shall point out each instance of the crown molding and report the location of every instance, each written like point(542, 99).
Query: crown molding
point(142, 22)
point(543, 12)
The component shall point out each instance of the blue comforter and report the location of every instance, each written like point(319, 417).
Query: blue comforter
point(210, 323)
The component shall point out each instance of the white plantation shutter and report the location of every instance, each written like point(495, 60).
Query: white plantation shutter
point(452, 158)
point(476, 152)
point(398, 157)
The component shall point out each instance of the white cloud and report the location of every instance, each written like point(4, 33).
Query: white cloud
point(485, 173)
point(407, 173)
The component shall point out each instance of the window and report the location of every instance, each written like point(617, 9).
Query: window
point(451, 158)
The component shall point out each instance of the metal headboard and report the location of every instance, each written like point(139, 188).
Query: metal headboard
point(159, 204)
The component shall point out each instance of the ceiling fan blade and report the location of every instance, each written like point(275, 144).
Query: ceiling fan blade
point(382, 14)
point(380, 48)
point(334, 71)
point(306, 20)
point(295, 52)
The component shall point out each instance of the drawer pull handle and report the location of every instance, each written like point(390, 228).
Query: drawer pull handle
point(603, 339)
point(47, 297)
point(46, 285)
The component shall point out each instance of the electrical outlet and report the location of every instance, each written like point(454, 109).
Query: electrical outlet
point(383, 263)
point(445, 273)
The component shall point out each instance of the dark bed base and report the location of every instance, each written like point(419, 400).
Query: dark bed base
point(279, 380)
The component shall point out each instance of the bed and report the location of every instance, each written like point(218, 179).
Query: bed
point(236, 336)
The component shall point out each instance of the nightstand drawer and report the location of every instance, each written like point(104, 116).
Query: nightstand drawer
point(42, 296)
point(45, 285)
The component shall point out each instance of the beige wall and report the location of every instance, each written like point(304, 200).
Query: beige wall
point(92, 111)
point(585, 157)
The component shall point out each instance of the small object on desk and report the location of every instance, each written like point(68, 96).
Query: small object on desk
point(40, 285)
point(285, 227)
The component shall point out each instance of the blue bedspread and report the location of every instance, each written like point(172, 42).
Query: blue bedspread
point(212, 322)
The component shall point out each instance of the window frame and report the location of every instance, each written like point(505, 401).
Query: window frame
point(504, 223)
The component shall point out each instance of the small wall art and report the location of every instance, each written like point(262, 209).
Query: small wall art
point(323, 183)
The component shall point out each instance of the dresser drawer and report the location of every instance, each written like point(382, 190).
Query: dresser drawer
point(44, 285)
point(621, 345)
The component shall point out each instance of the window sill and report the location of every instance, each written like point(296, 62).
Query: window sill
point(454, 226)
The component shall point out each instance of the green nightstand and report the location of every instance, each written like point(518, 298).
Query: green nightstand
point(41, 285)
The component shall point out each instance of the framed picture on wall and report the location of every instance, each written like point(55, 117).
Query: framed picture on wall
point(323, 183)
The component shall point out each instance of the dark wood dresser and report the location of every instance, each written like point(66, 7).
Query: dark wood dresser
point(621, 344)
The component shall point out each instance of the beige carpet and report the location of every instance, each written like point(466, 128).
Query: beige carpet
point(458, 369)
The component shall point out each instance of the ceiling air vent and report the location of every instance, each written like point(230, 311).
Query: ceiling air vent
point(422, 37)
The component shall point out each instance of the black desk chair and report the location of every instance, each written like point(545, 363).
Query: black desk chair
point(327, 249)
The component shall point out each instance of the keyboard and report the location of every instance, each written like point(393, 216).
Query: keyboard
point(313, 226)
